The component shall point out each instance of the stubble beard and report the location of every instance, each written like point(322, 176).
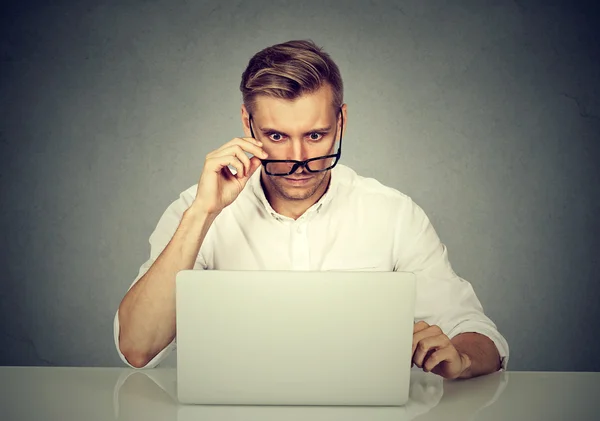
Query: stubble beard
point(291, 193)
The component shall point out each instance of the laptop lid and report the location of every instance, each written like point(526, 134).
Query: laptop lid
point(294, 337)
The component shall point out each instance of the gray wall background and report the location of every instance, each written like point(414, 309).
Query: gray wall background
point(487, 113)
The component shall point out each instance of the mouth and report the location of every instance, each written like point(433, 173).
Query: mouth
point(297, 181)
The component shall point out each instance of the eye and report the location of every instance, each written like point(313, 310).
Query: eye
point(316, 136)
point(275, 139)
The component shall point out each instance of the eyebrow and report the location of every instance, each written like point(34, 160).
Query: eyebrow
point(267, 130)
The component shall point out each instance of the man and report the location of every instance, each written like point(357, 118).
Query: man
point(307, 214)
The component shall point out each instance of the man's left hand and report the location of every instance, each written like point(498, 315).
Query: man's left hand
point(433, 351)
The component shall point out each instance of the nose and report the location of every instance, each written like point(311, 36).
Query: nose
point(298, 151)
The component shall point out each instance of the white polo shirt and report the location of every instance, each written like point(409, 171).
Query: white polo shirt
point(358, 224)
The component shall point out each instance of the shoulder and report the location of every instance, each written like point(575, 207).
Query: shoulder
point(367, 198)
point(173, 214)
point(184, 201)
point(368, 191)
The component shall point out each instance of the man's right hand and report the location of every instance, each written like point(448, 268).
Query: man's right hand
point(218, 187)
point(147, 312)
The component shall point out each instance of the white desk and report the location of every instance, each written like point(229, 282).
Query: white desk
point(69, 393)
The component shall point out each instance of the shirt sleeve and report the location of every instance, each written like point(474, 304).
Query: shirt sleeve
point(443, 298)
point(160, 237)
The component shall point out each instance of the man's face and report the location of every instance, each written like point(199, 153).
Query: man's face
point(300, 129)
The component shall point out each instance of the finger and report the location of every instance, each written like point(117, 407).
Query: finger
point(253, 140)
point(255, 163)
point(425, 333)
point(248, 144)
point(437, 357)
point(236, 140)
point(239, 154)
point(419, 326)
point(217, 164)
point(428, 345)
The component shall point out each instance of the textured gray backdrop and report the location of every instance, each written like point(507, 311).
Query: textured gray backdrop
point(487, 113)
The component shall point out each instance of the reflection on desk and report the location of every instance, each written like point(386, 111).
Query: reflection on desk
point(152, 395)
point(70, 393)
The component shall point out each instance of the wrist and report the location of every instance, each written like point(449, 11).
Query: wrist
point(195, 223)
point(466, 366)
point(198, 213)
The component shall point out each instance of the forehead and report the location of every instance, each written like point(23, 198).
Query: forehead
point(308, 109)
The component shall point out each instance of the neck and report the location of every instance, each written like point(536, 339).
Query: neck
point(293, 208)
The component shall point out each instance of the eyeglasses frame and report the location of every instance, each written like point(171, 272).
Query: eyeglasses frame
point(303, 164)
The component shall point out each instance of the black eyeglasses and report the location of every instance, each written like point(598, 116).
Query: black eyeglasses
point(283, 167)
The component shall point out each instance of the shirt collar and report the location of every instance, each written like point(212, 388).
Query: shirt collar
point(258, 191)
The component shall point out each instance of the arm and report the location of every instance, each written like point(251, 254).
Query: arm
point(482, 353)
point(146, 314)
point(466, 355)
point(145, 322)
point(446, 306)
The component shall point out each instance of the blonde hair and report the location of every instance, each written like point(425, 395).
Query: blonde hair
point(288, 71)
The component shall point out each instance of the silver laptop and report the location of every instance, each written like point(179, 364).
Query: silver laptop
point(294, 337)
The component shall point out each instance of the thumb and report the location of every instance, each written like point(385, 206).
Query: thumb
point(254, 165)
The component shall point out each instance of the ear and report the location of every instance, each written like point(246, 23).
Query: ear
point(245, 123)
point(345, 115)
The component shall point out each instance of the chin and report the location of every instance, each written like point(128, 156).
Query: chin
point(297, 193)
